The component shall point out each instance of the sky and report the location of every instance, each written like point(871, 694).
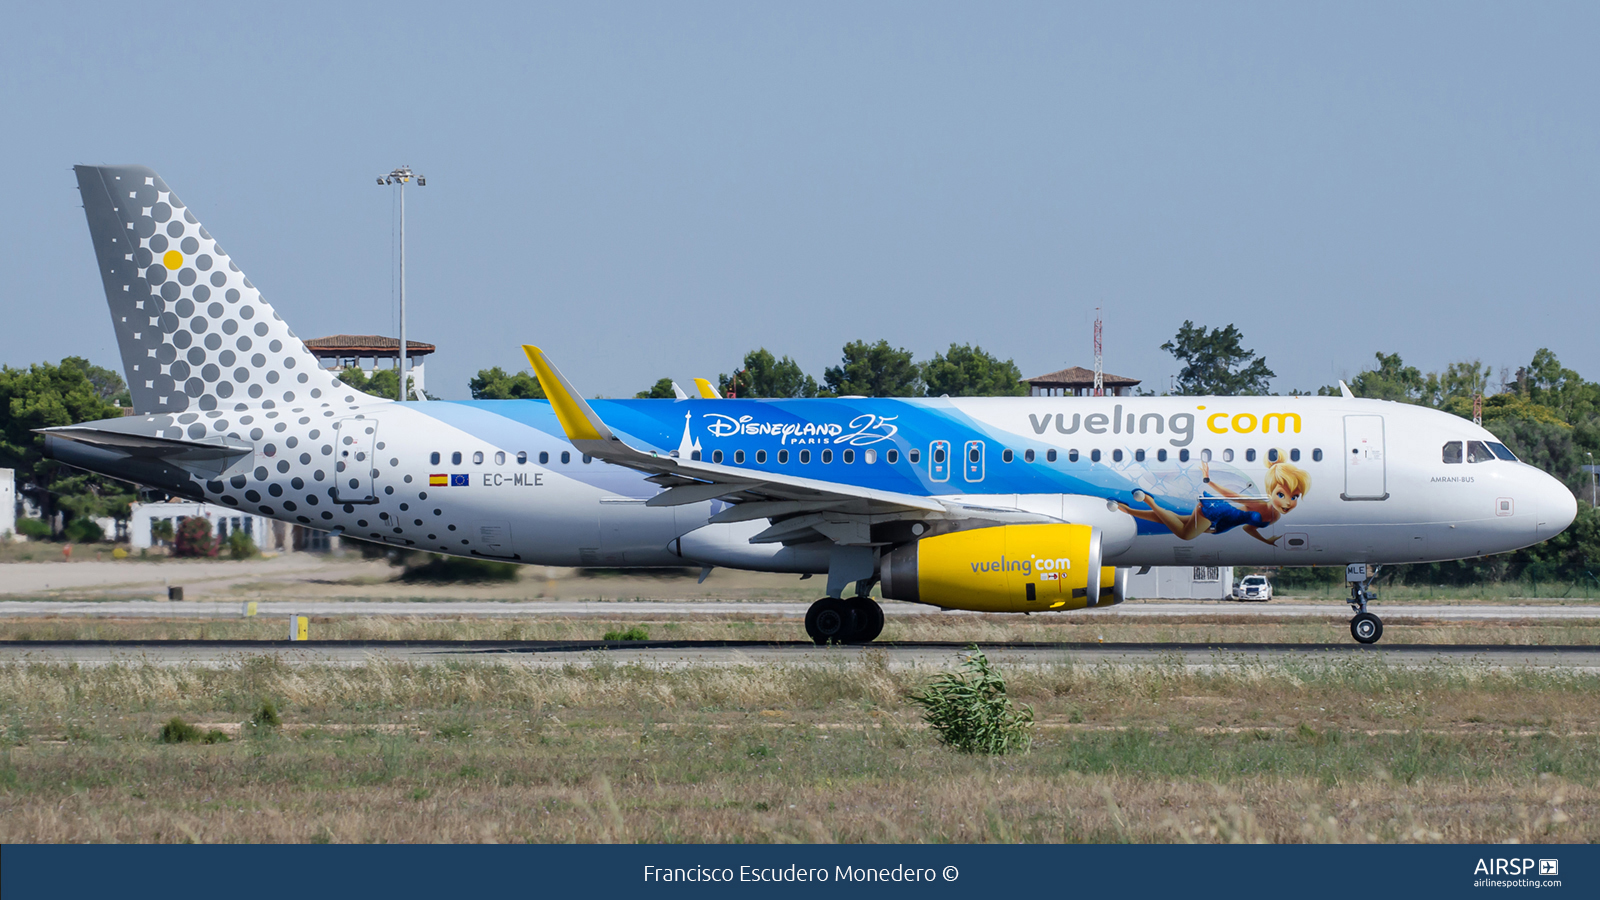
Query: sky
point(652, 189)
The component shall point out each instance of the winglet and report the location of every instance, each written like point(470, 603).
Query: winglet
point(706, 390)
point(1344, 390)
point(677, 392)
point(577, 419)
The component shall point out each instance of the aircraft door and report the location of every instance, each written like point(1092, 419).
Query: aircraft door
point(973, 465)
point(939, 461)
point(354, 467)
point(1364, 475)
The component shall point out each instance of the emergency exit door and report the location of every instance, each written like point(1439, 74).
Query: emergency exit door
point(355, 466)
point(1364, 476)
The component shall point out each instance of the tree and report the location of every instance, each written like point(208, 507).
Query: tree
point(45, 396)
point(967, 371)
point(1391, 380)
point(1216, 363)
point(383, 382)
point(764, 375)
point(661, 390)
point(495, 384)
point(874, 370)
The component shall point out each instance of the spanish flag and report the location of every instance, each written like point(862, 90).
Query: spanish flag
point(438, 481)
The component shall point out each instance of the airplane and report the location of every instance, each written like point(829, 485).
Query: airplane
point(1018, 504)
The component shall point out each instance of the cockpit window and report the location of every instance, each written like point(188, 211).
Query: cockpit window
point(1502, 451)
point(1452, 452)
point(1478, 452)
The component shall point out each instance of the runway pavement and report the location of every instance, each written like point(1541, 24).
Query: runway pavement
point(675, 654)
point(645, 610)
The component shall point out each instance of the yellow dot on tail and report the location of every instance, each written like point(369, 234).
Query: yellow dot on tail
point(172, 260)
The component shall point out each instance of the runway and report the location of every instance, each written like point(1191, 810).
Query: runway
point(645, 610)
point(675, 654)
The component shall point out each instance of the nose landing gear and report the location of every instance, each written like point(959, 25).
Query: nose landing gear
point(852, 620)
point(1366, 628)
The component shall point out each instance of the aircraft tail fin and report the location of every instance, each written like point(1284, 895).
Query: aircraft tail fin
point(195, 334)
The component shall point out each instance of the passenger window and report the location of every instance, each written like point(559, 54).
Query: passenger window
point(694, 455)
point(738, 457)
point(1138, 456)
point(892, 457)
point(869, 456)
point(1294, 455)
point(477, 457)
point(1161, 455)
point(1478, 451)
point(587, 459)
point(827, 456)
point(1272, 455)
point(1227, 456)
point(913, 456)
point(455, 458)
point(849, 456)
point(938, 454)
point(1094, 455)
point(1502, 451)
point(499, 457)
point(783, 457)
point(1452, 452)
point(544, 457)
point(805, 457)
point(1116, 456)
point(1006, 455)
point(433, 458)
point(1072, 456)
point(1050, 456)
point(716, 456)
point(522, 457)
point(761, 457)
point(566, 457)
point(1027, 456)
point(1250, 455)
point(973, 453)
point(1183, 455)
point(1316, 455)
point(1205, 455)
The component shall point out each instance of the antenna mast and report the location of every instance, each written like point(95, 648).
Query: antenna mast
point(1099, 367)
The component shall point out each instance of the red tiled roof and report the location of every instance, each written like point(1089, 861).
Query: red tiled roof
point(1078, 376)
point(336, 345)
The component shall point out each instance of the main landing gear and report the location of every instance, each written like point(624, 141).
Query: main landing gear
point(1366, 628)
point(850, 620)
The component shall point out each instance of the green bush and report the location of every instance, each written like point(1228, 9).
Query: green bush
point(969, 710)
point(453, 569)
point(84, 531)
point(33, 528)
point(177, 731)
point(240, 546)
point(634, 633)
point(161, 530)
point(266, 716)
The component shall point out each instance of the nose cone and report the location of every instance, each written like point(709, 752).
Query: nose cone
point(1557, 508)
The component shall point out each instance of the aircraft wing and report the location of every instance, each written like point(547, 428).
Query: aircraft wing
point(794, 504)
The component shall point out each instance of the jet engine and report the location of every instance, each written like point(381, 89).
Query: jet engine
point(1004, 568)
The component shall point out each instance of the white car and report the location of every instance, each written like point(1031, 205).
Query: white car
point(1253, 587)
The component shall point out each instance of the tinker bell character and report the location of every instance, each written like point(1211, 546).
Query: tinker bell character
point(1285, 484)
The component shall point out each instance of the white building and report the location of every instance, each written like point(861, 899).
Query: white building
point(1182, 583)
point(8, 504)
point(270, 536)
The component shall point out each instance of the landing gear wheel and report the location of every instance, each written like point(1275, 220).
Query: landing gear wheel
point(868, 616)
point(828, 621)
point(1366, 628)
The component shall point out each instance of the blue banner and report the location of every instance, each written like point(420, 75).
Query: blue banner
point(791, 871)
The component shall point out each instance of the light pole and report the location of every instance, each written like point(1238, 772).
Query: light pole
point(401, 176)
point(1594, 474)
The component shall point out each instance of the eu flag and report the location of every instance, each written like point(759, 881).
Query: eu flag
point(458, 480)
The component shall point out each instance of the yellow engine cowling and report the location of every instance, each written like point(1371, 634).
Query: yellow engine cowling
point(1113, 586)
point(1004, 568)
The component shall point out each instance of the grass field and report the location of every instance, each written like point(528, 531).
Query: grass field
point(1087, 627)
point(1354, 751)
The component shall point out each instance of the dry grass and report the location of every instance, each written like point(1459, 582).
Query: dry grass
point(1087, 627)
point(1353, 751)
